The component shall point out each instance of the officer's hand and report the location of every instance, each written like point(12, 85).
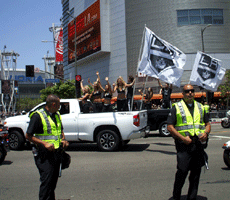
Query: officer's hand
point(65, 144)
point(187, 140)
point(49, 146)
point(204, 137)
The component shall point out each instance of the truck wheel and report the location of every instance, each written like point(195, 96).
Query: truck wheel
point(163, 129)
point(227, 157)
point(16, 140)
point(108, 140)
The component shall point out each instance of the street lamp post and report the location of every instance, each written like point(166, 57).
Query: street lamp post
point(202, 41)
point(53, 29)
point(51, 61)
point(75, 41)
point(202, 35)
point(75, 49)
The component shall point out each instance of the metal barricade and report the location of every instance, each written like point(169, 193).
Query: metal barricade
point(218, 114)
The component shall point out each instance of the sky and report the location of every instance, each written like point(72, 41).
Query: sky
point(24, 24)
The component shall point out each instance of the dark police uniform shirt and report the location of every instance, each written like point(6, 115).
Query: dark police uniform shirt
point(36, 126)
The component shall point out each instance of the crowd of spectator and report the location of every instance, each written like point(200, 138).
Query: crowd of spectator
point(218, 106)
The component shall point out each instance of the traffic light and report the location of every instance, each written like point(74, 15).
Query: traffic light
point(29, 70)
point(78, 85)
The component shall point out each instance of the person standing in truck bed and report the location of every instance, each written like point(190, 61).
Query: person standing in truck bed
point(166, 93)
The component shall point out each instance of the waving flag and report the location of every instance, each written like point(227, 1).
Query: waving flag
point(207, 72)
point(161, 60)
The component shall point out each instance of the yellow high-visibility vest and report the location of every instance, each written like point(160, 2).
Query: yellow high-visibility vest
point(206, 108)
point(186, 124)
point(51, 132)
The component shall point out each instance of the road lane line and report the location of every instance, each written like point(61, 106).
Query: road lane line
point(217, 136)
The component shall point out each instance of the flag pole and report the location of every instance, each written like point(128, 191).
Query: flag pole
point(143, 92)
point(143, 37)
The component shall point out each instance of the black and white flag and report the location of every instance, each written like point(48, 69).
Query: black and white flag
point(207, 72)
point(161, 60)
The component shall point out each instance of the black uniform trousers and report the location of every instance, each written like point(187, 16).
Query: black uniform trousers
point(48, 165)
point(189, 158)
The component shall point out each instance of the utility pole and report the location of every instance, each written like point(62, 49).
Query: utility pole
point(8, 61)
point(202, 41)
point(202, 35)
point(75, 44)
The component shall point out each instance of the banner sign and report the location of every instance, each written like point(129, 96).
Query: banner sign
point(161, 60)
point(32, 80)
point(59, 44)
point(88, 33)
point(207, 72)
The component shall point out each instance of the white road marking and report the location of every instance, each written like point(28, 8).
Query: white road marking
point(219, 136)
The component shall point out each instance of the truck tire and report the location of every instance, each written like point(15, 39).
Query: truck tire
point(226, 156)
point(16, 140)
point(163, 129)
point(108, 140)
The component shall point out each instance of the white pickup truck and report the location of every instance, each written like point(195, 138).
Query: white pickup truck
point(109, 129)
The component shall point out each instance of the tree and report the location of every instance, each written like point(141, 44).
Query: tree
point(64, 90)
point(27, 103)
point(225, 88)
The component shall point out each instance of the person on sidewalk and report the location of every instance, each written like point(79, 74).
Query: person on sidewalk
point(45, 130)
point(189, 125)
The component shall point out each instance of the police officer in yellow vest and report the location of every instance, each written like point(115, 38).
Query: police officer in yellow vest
point(46, 132)
point(189, 125)
point(207, 108)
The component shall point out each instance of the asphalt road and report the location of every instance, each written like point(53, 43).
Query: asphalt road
point(144, 169)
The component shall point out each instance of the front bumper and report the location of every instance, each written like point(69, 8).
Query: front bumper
point(143, 133)
point(226, 145)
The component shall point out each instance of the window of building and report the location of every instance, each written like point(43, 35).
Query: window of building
point(200, 16)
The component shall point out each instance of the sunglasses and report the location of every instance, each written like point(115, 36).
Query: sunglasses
point(187, 91)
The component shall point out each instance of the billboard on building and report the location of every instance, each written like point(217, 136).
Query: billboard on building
point(88, 33)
